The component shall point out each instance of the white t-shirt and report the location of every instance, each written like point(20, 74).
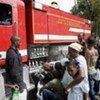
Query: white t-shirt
point(84, 84)
point(82, 64)
point(66, 79)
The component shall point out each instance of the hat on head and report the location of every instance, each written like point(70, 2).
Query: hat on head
point(76, 46)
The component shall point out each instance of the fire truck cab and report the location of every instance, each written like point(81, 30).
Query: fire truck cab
point(12, 21)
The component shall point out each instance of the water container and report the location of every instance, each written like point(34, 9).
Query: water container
point(15, 95)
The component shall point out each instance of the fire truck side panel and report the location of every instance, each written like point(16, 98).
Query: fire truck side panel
point(36, 25)
point(40, 27)
point(65, 27)
point(22, 30)
point(58, 29)
point(61, 26)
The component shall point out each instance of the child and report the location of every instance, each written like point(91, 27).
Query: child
point(76, 92)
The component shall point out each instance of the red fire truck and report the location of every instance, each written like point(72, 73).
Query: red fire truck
point(40, 27)
point(44, 30)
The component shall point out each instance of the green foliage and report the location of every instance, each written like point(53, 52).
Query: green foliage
point(89, 9)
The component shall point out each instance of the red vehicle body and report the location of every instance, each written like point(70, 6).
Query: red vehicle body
point(38, 24)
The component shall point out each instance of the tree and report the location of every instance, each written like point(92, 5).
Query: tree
point(89, 9)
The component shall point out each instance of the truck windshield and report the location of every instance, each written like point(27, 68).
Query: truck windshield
point(5, 14)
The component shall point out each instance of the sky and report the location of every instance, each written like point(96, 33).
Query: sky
point(64, 5)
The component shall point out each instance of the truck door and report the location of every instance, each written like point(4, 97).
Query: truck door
point(6, 29)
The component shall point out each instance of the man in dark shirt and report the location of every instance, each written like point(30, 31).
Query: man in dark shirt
point(14, 64)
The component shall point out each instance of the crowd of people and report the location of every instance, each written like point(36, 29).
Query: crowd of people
point(80, 79)
point(72, 78)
